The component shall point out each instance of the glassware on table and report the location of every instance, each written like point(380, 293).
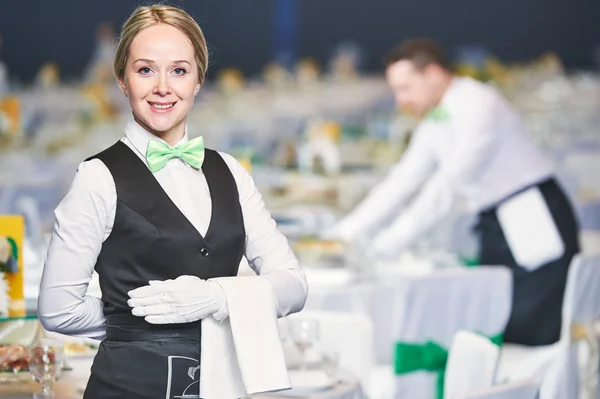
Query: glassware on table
point(361, 260)
point(46, 359)
point(330, 362)
point(304, 333)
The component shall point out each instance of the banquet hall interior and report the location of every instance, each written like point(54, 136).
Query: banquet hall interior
point(298, 92)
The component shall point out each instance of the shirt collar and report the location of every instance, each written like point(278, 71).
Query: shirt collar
point(139, 137)
point(452, 92)
point(441, 112)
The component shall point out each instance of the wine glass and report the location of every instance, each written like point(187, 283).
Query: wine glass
point(46, 358)
point(304, 332)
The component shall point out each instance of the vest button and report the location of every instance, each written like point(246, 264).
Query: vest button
point(204, 252)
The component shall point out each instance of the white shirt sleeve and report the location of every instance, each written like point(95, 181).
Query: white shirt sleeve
point(433, 202)
point(475, 144)
point(403, 180)
point(267, 249)
point(84, 219)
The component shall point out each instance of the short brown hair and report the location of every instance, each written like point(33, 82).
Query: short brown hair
point(144, 17)
point(421, 52)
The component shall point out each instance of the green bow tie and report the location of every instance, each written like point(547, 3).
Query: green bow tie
point(437, 114)
point(158, 153)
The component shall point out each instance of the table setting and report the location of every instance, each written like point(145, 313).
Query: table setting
point(44, 365)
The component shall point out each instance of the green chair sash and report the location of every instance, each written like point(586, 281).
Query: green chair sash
point(428, 356)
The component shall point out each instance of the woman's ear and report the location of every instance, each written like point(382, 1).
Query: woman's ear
point(123, 87)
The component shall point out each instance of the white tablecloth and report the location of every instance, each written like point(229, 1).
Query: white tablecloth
point(349, 388)
point(394, 317)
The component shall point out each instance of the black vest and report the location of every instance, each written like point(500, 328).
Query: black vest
point(152, 240)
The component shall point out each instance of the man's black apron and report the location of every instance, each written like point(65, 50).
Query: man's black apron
point(152, 240)
point(537, 295)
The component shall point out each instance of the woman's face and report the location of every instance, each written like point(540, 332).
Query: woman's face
point(161, 80)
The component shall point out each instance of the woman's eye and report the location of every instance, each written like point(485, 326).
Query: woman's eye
point(179, 71)
point(144, 70)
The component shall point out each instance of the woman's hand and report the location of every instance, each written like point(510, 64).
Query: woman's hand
point(183, 300)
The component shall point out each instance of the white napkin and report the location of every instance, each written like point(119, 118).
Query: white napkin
point(529, 228)
point(243, 354)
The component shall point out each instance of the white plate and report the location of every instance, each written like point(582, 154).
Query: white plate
point(80, 349)
point(307, 382)
point(300, 393)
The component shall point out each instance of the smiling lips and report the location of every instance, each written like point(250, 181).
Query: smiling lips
point(161, 107)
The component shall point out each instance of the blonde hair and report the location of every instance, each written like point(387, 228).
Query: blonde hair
point(147, 16)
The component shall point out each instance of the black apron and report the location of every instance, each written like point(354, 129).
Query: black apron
point(537, 295)
point(152, 240)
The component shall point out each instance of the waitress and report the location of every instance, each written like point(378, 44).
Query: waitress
point(157, 208)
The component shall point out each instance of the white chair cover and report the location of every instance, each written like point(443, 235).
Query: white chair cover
point(471, 364)
point(560, 380)
point(582, 294)
point(477, 300)
point(525, 389)
point(581, 307)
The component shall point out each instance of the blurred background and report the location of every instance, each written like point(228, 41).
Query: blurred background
point(284, 75)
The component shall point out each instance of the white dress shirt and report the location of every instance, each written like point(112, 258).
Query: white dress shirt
point(481, 152)
point(85, 217)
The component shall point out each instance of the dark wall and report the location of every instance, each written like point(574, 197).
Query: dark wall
point(240, 32)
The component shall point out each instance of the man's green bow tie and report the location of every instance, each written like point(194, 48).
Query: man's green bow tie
point(437, 114)
point(158, 153)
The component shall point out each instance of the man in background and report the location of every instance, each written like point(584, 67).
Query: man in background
point(472, 145)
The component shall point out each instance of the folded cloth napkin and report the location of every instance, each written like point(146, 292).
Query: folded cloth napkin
point(530, 230)
point(243, 355)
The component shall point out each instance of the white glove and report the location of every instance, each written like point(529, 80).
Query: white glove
point(387, 246)
point(183, 300)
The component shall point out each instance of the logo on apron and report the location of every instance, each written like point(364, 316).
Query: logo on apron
point(183, 381)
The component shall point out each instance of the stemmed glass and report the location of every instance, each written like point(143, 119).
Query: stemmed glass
point(46, 359)
point(304, 333)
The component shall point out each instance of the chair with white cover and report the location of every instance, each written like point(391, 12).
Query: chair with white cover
point(471, 366)
point(524, 389)
point(560, 378)
point(434, 310)
point(580, 315)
